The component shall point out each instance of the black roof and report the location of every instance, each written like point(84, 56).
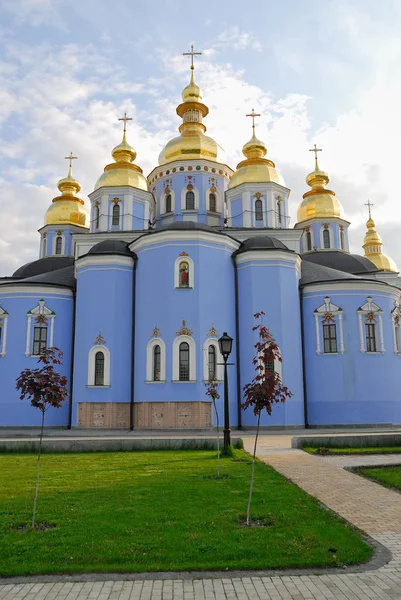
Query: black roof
point(314, 273)
point(341, 261)
point(43, 265)
point(63, 277)
point(262, 242)
point(111, 247)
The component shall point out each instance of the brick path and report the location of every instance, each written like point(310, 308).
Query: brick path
point(372, 508)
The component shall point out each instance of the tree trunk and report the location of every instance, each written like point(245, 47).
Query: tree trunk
point(38, 471)
point(253, 472)
point(218, 438)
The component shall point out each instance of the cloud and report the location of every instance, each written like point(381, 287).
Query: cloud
point(234, 38)
point(35, 12)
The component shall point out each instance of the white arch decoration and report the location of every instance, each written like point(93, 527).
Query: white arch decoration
point(61, 234)
point(370, 313)
point(331, 238)
point(329, 313)
point(3, 329)
point(183, 195)
point(177, 263)
point(218, 200)
point(176, 358)
point(41, 314)
point(219, 359)
point(149, 360)
point(91, 366)
point(163, 203)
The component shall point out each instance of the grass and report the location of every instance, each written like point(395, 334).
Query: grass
point(387, 476)
point(161, 510)
point(368, 450)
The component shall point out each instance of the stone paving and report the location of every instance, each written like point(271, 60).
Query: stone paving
point(374, 509)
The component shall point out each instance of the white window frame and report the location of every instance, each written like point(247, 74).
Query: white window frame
point(149, 360)
point(396, 320)
point(176, 359)
point(264, 212)
point(363, 311)
point(337, 313)
point(91, 366)
point(218, 202)
point(44, 247)
point(179, 260)
point(183, 196)
point(3, 325)
point(118, 227)
point(163, 203)
point(219, 359)
point(40, 309)
point(62, 244)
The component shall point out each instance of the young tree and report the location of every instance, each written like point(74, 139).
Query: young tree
point(266, 388)
point(45, 388)
point(212, 393)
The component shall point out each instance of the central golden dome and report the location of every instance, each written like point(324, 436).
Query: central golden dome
point(319, 202)
point(192, 143)
point(67, 209)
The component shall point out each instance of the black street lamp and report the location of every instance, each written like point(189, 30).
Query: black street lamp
point(225, 345)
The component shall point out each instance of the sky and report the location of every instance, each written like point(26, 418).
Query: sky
point(324, 72)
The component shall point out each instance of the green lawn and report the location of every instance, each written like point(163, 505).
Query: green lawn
point(154, 511)
point(375, 450)
point(388, 476)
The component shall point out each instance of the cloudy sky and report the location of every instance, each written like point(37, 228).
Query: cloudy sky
point(319, 71)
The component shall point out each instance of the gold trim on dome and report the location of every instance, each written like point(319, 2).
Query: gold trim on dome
point(122, 165)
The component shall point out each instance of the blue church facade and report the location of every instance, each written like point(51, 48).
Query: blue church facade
point(137, 293)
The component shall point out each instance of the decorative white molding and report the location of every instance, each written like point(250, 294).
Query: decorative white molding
point(331, 238)
point(317, 334)
point(268, 256)
point(48, 315)
point(34, 290)
point(3, 325)
point(396, 320)
point(183, 199)
point(161, 237)
point(366, 314)
point(54, 241)
point(344, 285)
point(193, 163)
point(331, 314)
point(163, 202)
point(219, 359)
point(179, 260)
point(91, 366)
point(103, 259)
point(218, 201)
point(157, 341)
point(176, 357)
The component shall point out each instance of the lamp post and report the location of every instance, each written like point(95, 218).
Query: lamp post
point(225, 345)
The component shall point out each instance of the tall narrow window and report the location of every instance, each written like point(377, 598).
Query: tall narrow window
point(184, 361)
point(97, 216)
point(168, 203)
point(370, 331)
point(212, 362)
point(190, 201)
point(59, 244)
point(308, 240)
point(279, 215)
point(326, 238)
point(156, 363)
point(329, 338)
point(44, 247)
point(39, 340)
point(258, 210)
point(116, 214)
point(212, 202)
point(99, 368)
point(342, 240)
point(269, 365)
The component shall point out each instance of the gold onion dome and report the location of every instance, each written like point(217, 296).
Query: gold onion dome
point(372, 245)
point(67, 209)
point(192, 144)
point(319, 202)
point(255, 168)
point(123, 172)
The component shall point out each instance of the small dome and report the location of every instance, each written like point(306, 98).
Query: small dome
point(373, 245)
point(256, 168)
point(319, 202)
point(44, 265)
point(342, 261)
point(192, 93)
point(111, 247)
point(262, 242)
point(67, 209)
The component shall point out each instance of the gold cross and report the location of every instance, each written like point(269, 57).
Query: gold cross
point(192, 53)
point(369, 205)
point(253, 115)
point(71, 158)
point(125, 119)
point(315, 150)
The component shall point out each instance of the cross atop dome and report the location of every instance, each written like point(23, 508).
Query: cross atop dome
point(315, 150)
point(369, 205)
point(192, 53)
point(253, 115)
point(71, 157)
point(125, 119)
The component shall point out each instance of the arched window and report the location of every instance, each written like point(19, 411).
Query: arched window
point(342, 239)
point(308, 240)
point(156, 362)
point(184, 362)
point(258, 210)
point(212, 202)
point(99, 368)
point(326, 238)
point(97, 216)
point(59, 244)
point(168, 203)
point(212, 362)
point(184, 274)
point(116, 214)
point(279, 215)
point(189, 201)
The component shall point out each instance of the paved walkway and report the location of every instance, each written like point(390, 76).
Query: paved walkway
point(374, 509)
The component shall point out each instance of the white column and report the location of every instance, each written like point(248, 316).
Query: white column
point(361, 338)
point(51, 332)
point(394, 337)
point(247, 209)
point(3, 345)
point(317, 333)
point(28, 337)
point(340, 323)
point(126, 224)
point(382, 349)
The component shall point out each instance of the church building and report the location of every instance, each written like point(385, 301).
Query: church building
point(136, 286)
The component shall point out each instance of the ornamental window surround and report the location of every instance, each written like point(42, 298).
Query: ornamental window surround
point(115, 219)
point(279, 210)
point(39, 318)
point(326, 238)
point(396, 319)
point(3, 331)
point(189, 198)
point(308, 238)
point(329, 327)
point(258, 210)
point(156, 361)
point(96, 216)
point(58, 245)
point(184, 359)
point(212, 360)
point(370, 328)
point(99, 366)
point(184, 272)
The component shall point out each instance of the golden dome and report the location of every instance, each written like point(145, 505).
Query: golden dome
point(67, 209)
point(319, 202)
point(123, 172)
point(192, 143)
point(256, 168)
point(372, 245)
